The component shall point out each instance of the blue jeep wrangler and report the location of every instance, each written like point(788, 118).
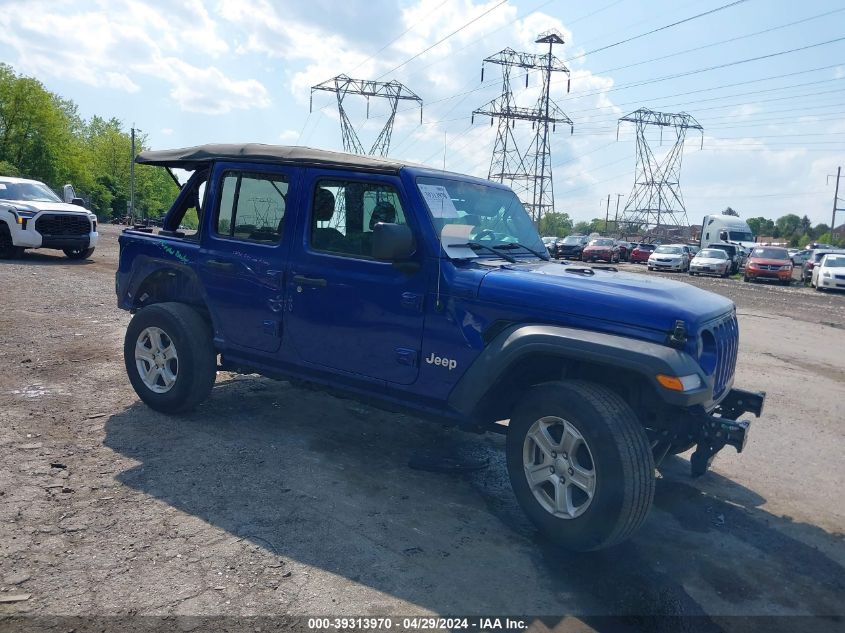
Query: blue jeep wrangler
point(431, 292)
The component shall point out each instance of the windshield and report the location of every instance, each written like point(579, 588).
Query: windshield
point(573, 239)
point(770, 253)
point(486, 214)
point(740, 236)
point(604, 242)
point(834, 261)
point(712, 253)
point(27, 192)
point(670, 250)
point(646, 247)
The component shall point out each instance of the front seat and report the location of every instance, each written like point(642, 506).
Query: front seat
point(329, 238)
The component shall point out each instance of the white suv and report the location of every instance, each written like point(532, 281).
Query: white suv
point(33, 216)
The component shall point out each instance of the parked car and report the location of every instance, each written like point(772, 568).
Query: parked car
point(669, 257)
point(625, 249)
point(733, 254)
point(549, 242)
point(604, 248)
point(769, 262)
point(829, 272)
point(799, 257)
point(571, 247)
point(710, 261)
point(428, 291)
point(813, 259)
point(641, 253)
point(33, 216)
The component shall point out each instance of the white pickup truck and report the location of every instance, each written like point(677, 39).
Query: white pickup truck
point(33, 216)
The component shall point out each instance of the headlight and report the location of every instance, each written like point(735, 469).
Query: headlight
point(23, 214)
point(826, 274)
point(786, 267)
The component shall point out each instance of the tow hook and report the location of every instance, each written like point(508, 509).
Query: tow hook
point(716, 433)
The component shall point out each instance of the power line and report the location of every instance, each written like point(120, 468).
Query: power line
point(440, 41)
point(727, 41)
point(657, 30)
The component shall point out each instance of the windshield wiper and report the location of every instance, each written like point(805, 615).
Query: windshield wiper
point(479, 245)
point(512, 245)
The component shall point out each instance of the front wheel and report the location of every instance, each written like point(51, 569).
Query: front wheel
point(169, 356)
point(78, 253)
point(8, 250)
point(580, 464)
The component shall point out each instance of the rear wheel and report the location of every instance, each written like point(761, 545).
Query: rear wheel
point(169, 357)
point(580, 464)
point(78, 253)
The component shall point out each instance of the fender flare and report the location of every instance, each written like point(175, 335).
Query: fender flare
point(519, 341)
point(145, 267)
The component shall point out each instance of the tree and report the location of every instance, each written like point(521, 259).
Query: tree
point(582, 228)
point(761, 226)
point(730, 211)
point(42, 136)
point(806, 225)
point(818, 230)
point(557, 224)
point(788, 225)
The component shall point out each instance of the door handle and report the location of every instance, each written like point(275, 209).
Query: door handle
point(216, 264)
point(315, 282)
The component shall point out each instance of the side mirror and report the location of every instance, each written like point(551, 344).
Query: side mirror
point(78, 202)
point(392, 242)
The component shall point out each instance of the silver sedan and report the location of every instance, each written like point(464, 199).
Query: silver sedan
point(710, 261)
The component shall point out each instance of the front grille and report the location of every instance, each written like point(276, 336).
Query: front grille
point(63, 224)
point(726, 334)
point(840, 276)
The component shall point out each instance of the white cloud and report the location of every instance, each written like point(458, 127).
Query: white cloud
point(116, 44)
point(288, 136)
point(167, 131)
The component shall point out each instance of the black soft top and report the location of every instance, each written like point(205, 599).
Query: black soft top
point(192, 158)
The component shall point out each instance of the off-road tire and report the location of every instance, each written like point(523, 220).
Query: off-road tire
point(622, 462)
point(78, 253)
point(745, 278)
point(8, 250)
point(192, 337)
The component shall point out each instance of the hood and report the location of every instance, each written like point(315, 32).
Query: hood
point(668, 255)
point(625, 299)
point(769, 262)
point(710, 261)
point(29, 205)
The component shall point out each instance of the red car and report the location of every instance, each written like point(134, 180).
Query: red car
point(601, 248)
point(769, 262)
point(641, 253)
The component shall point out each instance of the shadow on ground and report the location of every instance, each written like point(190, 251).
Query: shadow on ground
point(324, 481)
point(46, 257)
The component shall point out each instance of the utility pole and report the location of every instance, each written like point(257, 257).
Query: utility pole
point(616, 218)
point(606, 214)
point(655, 201)
point(529, 173)
point(393, 91)
point(132, 179)
point(835, 201)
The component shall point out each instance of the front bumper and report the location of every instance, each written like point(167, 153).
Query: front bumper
point(666, 265)
point(708, 270)
point(781, 275)
point(831, 282)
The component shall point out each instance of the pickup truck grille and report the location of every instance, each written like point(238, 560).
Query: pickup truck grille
point(63, 224)
point(726, 333)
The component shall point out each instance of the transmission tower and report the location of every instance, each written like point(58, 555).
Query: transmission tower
point(393, 91)
point(655, 204)
point(529, 173)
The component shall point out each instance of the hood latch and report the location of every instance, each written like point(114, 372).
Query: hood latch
point(678, 335)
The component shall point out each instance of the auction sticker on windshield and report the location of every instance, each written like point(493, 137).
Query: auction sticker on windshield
point(439, 201)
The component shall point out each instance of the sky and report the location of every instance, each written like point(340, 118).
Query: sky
point(187, 72)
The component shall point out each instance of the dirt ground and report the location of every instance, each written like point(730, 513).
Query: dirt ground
point(271, 499)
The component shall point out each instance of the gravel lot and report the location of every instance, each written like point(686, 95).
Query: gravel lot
point(275, 500)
